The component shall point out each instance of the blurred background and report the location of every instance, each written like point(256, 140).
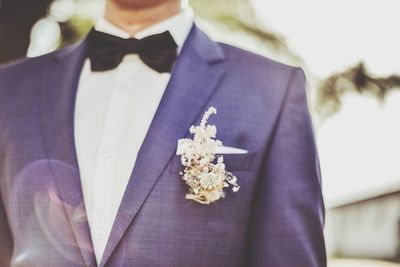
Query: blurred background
point(350, 50)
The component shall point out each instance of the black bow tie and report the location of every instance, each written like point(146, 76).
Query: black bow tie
point(106, 51)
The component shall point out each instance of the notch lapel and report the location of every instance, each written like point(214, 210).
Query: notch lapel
point(57, 119)
point(196, 75)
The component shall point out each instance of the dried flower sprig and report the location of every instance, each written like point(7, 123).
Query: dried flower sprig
point(205, 178)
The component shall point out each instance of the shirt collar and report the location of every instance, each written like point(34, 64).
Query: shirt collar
point(178, 25)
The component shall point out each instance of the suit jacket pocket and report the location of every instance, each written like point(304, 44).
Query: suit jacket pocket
point(233, 162)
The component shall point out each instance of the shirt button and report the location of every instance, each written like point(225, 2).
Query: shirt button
point(100, 234)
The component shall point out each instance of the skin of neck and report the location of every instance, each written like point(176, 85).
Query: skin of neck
point(133, 20)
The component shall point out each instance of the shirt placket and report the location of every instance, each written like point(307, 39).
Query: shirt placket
point(107, 156)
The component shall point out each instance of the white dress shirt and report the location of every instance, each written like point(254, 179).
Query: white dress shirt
point(113, 112)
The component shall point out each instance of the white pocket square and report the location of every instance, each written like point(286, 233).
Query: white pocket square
point(218, 150)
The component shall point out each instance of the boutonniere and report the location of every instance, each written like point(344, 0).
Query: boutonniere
point(204, 173)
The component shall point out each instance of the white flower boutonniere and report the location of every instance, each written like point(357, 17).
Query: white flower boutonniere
point(204, 172)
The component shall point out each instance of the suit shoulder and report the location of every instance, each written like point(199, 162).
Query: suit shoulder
point(257, 69)
point(34, 64)
point(25, 63)
point(20, 77)
point(241, 56)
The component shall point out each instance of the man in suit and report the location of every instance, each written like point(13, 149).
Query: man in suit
point(89, 174)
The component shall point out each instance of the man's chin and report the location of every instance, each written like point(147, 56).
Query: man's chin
point(139, 4)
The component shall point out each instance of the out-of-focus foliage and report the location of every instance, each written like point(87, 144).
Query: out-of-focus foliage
point(80, 21)
point(74, 29)
point(238, 16)
point(234, 16)
point(356, 79)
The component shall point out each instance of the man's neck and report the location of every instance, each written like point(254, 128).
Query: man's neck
point(133, 21)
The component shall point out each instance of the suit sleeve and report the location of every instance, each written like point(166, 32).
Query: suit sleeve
point(287, 216)
point(6, 244)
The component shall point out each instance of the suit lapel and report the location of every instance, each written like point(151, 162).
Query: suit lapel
point(197, 73)
point(57, 118)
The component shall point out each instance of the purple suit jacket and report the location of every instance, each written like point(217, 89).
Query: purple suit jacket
point(275, 220)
